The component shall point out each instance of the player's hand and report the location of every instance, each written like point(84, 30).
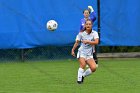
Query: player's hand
point(90, 9)
point(85, 41)
point(72, 53)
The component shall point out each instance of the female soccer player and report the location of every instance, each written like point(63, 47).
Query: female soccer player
point(89, 14)
point(88, 39)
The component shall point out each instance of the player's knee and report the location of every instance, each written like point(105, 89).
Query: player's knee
point(83, 66)
point(93, 69)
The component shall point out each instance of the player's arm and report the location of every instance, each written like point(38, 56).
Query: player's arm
point(95, 42)
point(82, 26)
point(74, 47)
point(92, 13)
point(78, 38)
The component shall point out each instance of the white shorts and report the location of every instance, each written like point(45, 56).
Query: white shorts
point(84, 56)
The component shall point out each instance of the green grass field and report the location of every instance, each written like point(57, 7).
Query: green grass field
point(112, 76)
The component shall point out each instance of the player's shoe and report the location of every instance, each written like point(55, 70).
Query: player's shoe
point(82, 79)
point(80, 82)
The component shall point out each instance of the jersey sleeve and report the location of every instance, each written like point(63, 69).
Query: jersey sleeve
point(96, 36)
point(82, 24)
point(81, 27)
point(78, 37)
point(93, 16)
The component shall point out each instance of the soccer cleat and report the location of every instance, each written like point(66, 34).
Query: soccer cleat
point(82, 79)
point(79, 82)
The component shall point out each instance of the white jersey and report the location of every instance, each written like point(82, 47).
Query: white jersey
point(87, 49)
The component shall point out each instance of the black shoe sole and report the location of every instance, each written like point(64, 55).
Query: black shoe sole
point(79, 82)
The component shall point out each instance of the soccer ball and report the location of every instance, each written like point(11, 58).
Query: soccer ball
point(51, 25)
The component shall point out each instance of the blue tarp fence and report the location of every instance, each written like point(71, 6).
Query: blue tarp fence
point(120, 22)
point(23, 22)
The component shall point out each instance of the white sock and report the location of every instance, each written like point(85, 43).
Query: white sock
point(87, 72)
point(80, 74)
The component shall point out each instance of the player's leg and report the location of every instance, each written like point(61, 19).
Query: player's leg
point(95, 58)
point(92, 67)
point(81, 69)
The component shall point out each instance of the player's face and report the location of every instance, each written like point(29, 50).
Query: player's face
point(86, 13)
point(88, 25)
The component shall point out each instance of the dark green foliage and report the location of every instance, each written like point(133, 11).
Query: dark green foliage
point(55, 52)
point(116, 49)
